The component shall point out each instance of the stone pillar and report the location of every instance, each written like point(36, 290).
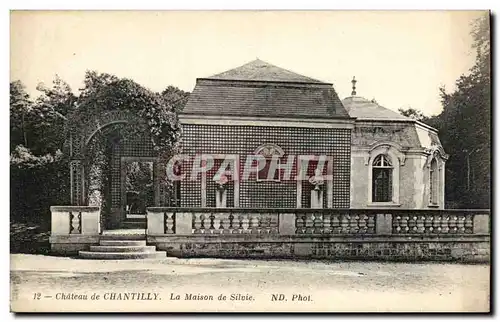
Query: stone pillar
point(155, 222)
point(481, 224)
point(59, 224)
point(183, 223)
point(383, 224)
point(286, 224)
point(91, 222)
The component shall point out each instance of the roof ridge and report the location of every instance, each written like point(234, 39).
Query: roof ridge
point(259, 70)
point(364, 108)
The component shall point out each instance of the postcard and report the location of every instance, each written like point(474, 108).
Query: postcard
point(250, 161)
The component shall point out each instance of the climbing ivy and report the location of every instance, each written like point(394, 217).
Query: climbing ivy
point(104, 92)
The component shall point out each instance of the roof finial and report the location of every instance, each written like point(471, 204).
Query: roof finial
point(354, 81)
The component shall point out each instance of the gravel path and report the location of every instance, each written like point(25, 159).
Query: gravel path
point(322, 285)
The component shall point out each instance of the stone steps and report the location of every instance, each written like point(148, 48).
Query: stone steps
point(119, 255)
point(122, 244)
point(124, 237)
point(134, 223)
point(122, 249)
point(113, 242)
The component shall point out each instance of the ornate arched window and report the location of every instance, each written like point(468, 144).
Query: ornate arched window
point(271, 170)
point(382, 176)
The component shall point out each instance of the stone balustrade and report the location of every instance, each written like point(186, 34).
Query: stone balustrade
point(75, 220)
point(355, 234)
point(303, 222)
point(74, 228)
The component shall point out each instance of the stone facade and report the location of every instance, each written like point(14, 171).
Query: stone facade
point(455, 251)
point(411, 165)
point(416, 156)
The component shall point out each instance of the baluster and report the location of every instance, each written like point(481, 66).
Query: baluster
point(299, 223)
point(309, 223)
point(371, 224)
point(251, 220)
point(224, 223)
point(327, 220)
point(71, 228)
point(453, 224)
point(335, 223)
point(274, 223)
point(412, 224)
point(168, 218)
point(428, 224)
point(318, 223)
point(362, 223)
point(353, 224)
point(254, 224)
point(237, 228)
point(445, 228)
point(404, 224)
point(209, 223)
point(420, 224)
point(267, 224)
point(468, 224)
point(396, 224)
point(245, 223)
point(436, 223)
point(344, 224)
point(218, 223)
point(231, 223)
point(198, 223)
point(263, 224)
point(75, 223)
point(461, 224)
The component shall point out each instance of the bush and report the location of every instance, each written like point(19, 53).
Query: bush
point(36, 183)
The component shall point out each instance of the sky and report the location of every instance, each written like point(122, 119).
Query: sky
point(399, 58)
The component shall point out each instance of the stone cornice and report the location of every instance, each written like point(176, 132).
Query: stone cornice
point(347, 123)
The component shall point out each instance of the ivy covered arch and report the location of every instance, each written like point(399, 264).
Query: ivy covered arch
point(113, 114)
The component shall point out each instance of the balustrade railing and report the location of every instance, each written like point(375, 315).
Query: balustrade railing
point(75, 220)
point(335, 223)
point(434, 223)
point(234, 223)
point(316, 222)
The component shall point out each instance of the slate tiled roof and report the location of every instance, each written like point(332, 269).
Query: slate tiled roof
point(259, 70)
point(261, 89)
point(364, 109)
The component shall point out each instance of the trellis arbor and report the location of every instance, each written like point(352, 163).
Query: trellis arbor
point(119, 141)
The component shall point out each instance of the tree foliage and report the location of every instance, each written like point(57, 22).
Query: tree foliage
point(465, 127)
point(413, 113)
point(176, 97)
point(39, 129)
point(105, 92)
point(20, 109)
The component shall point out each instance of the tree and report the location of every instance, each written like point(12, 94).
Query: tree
point(465, 127)
point(176, 97)
point(20, 108)
point(413, 113)
point(50, 114)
